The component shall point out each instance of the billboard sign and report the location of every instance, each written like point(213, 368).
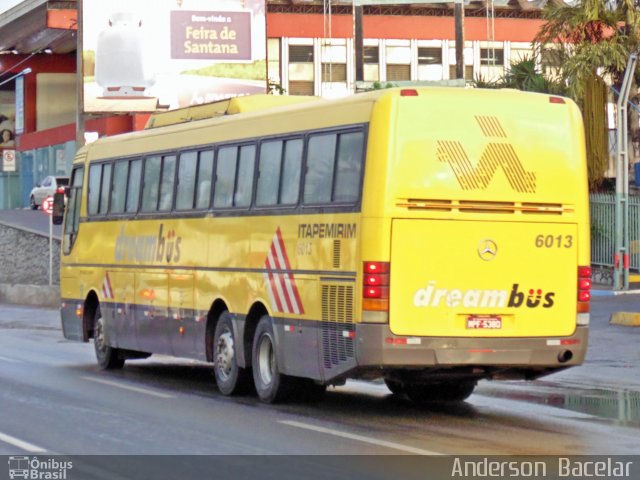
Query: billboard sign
point(144, 55)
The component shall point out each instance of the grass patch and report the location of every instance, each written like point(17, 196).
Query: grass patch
point(250, 71)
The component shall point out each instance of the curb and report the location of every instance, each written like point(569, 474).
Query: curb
point(32, 295)
point(626, 319)
point(611, 293)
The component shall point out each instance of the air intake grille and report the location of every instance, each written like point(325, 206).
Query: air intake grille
point(336, 254)
point(337, 324)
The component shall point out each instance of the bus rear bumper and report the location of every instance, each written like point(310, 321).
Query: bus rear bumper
point(377, 346)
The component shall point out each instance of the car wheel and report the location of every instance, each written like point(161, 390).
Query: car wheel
point(32, 203)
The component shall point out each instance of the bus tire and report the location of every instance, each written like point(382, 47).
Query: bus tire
point(442, 392)
point(230, 378)
point(109, 358)
point(394, 386)
point(271, 385)
point(308, 391)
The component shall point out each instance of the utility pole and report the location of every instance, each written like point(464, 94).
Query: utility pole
point(358, 39)
point(458, 13)
point(79, 79)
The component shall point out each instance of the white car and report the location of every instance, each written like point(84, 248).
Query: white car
point(46, 188)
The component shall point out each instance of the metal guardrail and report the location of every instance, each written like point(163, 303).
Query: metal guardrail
point(602, 207)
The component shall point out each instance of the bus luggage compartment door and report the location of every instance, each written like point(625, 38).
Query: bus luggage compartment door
point(483, 279)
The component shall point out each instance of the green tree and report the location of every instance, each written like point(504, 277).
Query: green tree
point(524, 74)
point(592, 40)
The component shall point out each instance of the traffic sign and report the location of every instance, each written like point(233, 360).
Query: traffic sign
point(9, 160)
point(47, 205)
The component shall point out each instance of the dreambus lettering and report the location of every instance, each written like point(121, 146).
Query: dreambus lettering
point(148, 248)
point(327, 230)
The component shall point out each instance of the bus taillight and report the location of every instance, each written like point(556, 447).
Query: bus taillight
point(375, 291)
point(584, 289)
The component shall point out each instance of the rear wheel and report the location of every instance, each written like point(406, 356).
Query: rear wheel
point(32, 203)
point(230, 378)
point(271, 385)
point(440, 392)
point(109, 358)
point(307, 390)
point(396, 387)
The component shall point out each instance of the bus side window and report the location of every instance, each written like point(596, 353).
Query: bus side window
point(168, 180)
point(105, 188)
point(244, 181)
point(349, 166)
point(225, 177)
point(187, 167)
point(269, 173)
point(291, 170)
point(119, 190)
point(320, 164)
point(205, 173)
point(133, 189)
point(93, 199)
point(72, 218)
point(151, 185)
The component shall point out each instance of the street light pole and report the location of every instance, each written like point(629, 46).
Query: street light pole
point(621, 254)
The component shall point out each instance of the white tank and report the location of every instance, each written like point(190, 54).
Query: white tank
point(121, 67)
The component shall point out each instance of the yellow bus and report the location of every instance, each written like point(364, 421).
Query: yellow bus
point(430, 237)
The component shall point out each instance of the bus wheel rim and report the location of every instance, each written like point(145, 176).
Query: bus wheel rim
point(266, 360)
point(99, 335)
point(224, 355)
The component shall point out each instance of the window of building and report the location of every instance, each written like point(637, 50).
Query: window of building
point(429, 56)
point(468, 72)
point(492, 56)
point(398, 73)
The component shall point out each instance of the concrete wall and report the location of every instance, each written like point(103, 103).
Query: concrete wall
point(24, 268)
point(24, 258)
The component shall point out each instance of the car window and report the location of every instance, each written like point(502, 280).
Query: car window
point(46, 182)
point(62, 181)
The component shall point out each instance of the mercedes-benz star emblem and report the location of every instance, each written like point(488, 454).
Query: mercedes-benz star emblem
point(487, 249)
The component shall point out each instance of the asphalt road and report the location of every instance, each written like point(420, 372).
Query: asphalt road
point(33, 220)
point(54, 400)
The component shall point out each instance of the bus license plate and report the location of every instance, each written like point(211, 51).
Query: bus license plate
point(489, 323)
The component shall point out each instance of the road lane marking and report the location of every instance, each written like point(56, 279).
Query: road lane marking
point(128, 387)
point(360, 438)
point(10, 360)
point(16, 442)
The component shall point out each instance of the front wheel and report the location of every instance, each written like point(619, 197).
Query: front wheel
point(230, 378)
point(32, 203)
point(271, 385)
point(109, 358)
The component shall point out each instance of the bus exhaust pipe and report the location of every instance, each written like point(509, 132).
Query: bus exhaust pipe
point(565, 356)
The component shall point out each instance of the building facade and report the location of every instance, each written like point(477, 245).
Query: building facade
point(310, 51)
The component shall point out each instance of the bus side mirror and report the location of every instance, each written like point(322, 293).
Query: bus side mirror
point(58, 208)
